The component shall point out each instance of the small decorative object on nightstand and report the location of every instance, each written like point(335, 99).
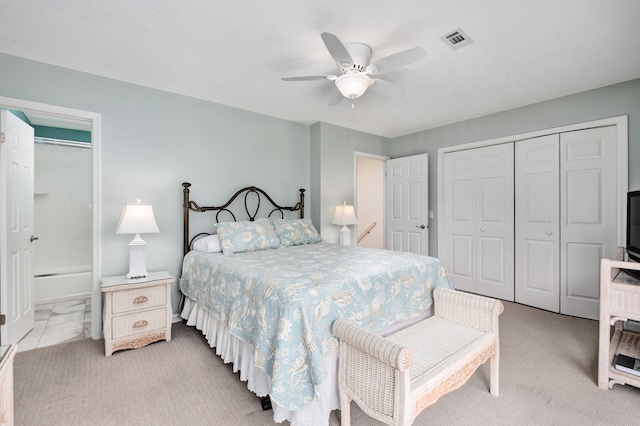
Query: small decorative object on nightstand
point(136, 311)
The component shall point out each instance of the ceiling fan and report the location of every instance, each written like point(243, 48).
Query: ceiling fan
point(356, 74)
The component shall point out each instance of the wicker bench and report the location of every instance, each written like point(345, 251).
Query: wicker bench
point(394, 378)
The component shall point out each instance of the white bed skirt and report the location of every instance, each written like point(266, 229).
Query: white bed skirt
point(233, 350)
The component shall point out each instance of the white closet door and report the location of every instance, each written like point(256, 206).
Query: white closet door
point(537, 236)
point(479, 220)
point(588, 194)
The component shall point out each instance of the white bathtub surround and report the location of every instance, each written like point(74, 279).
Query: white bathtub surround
point(62, 209)
point(61, 287)
point(59, 322)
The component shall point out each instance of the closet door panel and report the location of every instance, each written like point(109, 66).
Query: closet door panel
point(580, 272)
point(588, 216)
point(539, 274)
point(494, 245)
point(492, 267)
point(537, 236)
point(479, 220)
point(459, 219)
point(461, 259)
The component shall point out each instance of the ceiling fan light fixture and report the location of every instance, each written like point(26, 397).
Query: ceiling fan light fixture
point(353, 85)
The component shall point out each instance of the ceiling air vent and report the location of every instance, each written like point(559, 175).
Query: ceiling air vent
point(456, 39)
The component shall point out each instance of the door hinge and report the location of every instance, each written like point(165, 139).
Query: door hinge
point(3, 319)
point(2, 137)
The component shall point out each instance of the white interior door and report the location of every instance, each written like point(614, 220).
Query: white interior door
point(537, 225)
point(478, 216)
point(408, 204)
point(16, 217)
point(588, 193)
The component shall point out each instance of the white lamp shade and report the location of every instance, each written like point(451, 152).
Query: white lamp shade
point(137, 219)
point(344, 215)
point(353, 85)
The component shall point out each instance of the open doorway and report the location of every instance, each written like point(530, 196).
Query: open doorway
point(370, 200)
point(92, 122)
point(62, 208)
point(62, 223)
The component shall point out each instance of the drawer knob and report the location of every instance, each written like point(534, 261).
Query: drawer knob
point(140, 324)
point(141, 299)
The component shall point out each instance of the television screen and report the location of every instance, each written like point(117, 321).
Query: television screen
point(633, 225)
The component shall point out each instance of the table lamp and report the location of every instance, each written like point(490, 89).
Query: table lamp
point(344, 215)
point(137, 219)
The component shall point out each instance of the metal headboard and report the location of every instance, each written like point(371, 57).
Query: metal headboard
point(191, 206)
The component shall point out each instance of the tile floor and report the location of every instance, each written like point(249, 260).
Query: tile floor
point(58, 322)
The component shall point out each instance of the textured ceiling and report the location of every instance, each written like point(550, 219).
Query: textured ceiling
point(235, 52)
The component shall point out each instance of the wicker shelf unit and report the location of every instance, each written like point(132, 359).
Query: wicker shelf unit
point(619, 302)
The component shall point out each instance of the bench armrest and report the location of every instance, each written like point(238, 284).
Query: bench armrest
point(381, 349)
point(470, 309)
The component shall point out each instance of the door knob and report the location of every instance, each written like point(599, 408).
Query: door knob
point(548, 232)
point(32, 239)
point(421, 226)
point(483, 229)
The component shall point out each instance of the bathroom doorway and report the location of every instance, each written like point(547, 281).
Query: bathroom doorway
point(62, 208)
point(91, 224)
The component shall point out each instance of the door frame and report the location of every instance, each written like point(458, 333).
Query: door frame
point(356, 155)
point(622, 160)
point(96, 137)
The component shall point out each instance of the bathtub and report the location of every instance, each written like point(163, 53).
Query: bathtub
point(70, 283)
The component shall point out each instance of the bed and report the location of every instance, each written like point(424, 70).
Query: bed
point(266, 291)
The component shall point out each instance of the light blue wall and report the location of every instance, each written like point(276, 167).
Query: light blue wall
point(610, 101)
point(152, 141)
point(333, 171)
point(315, 170)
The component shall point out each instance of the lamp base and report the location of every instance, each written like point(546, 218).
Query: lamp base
point(137, 259)
point(345, 236)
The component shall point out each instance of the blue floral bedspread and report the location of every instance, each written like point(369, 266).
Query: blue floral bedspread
point(283, 302)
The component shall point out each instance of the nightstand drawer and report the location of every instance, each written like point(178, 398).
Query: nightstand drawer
point(139, 298)
point(128, 325)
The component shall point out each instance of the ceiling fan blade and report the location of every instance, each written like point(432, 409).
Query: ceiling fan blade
point(397, 60)
point(309, 77)
point(337, 50)
point(335, 98)
point(386, 88)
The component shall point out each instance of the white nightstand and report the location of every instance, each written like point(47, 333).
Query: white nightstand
point(136, 311)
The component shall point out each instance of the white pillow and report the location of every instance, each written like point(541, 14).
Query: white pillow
point(208, 244)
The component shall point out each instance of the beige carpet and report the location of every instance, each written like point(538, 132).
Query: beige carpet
point(548, 377)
